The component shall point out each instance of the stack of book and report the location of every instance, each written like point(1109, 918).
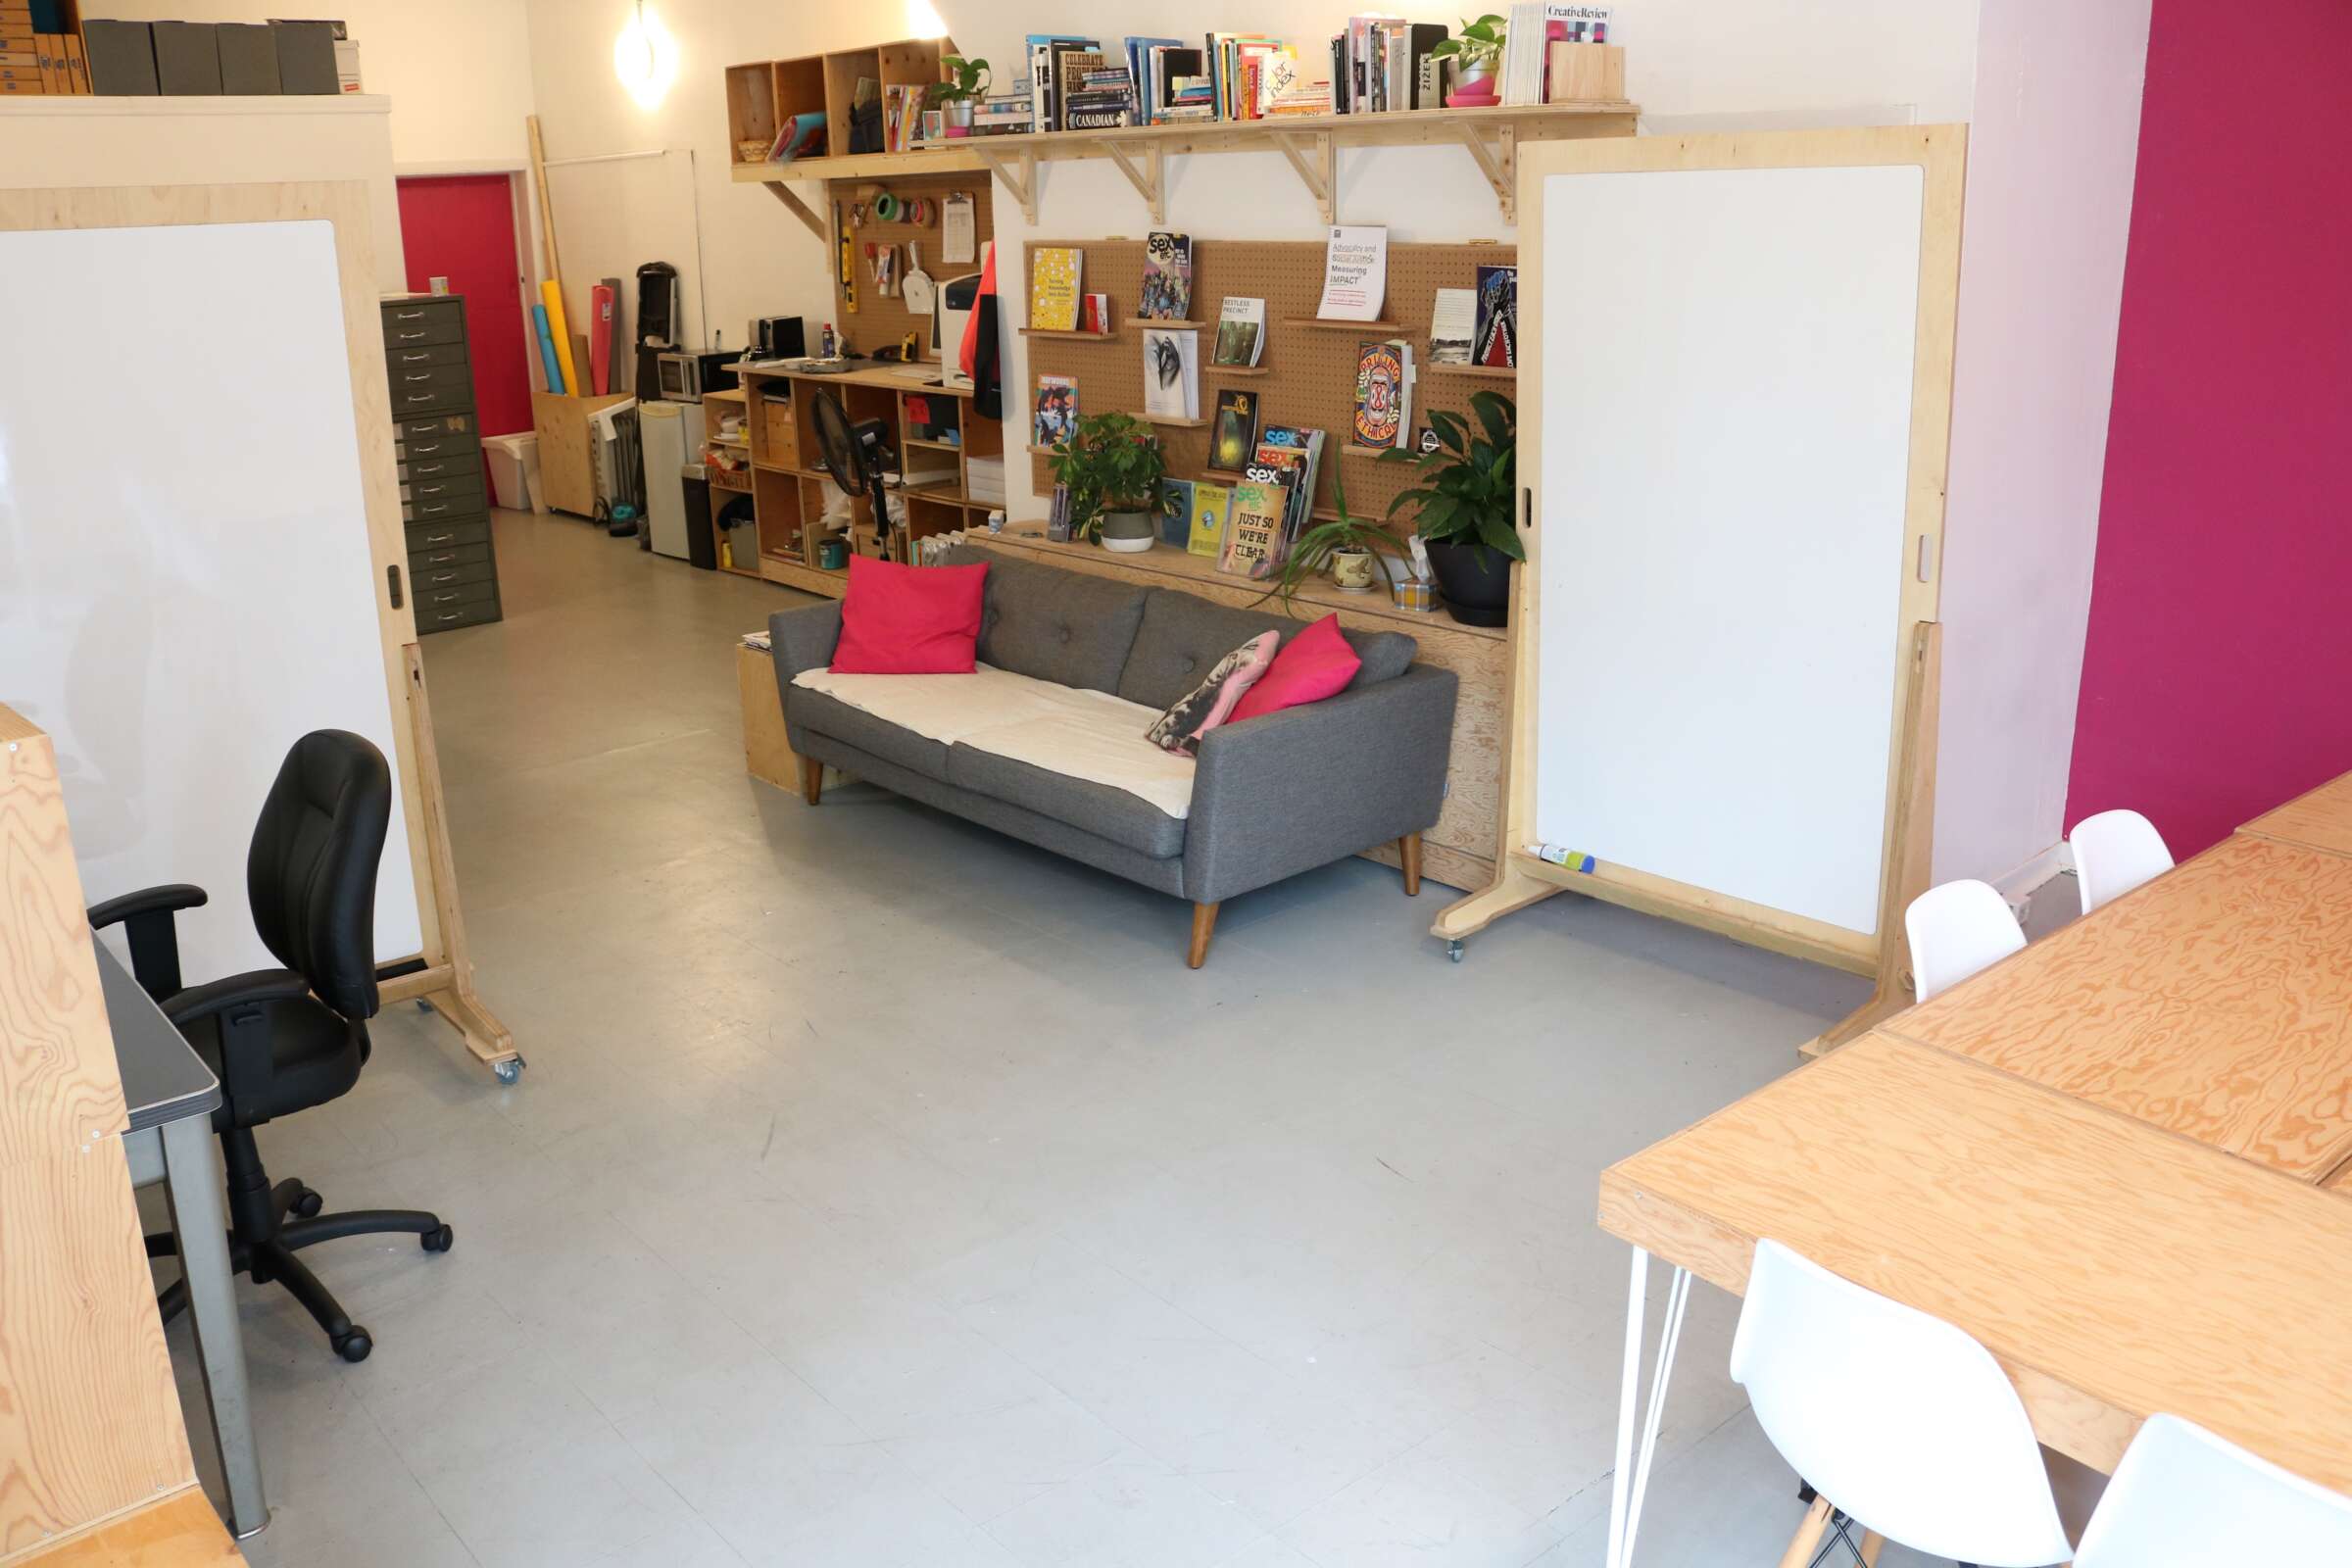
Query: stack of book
point(1534, 25)
point(1005, 113)
point(1098, 98)
point(1383, 62)
point(902, 118)
point(1188, 98)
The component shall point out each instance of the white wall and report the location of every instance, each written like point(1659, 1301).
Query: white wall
point(458, 72)
point(208, 141)
point(2052, 153)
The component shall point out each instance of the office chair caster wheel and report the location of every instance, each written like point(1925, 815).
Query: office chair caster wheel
point(437, 1240)
point(509, 1070)
point(424, 1006)
point(1453, 952)
point(308, 1205)
point(353, 1345)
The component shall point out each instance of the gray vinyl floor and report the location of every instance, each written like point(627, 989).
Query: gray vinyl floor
point(884, 1192)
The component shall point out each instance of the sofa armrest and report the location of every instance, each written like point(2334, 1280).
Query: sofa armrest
point(1301, 788)
point(802, 639)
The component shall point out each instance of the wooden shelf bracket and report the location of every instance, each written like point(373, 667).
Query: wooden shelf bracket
point(1022, 185)
point(798, 208)
point(1150, 180)
point(1499, 163)
point(1317, 159)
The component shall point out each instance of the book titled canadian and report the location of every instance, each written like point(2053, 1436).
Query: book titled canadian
point(1054, 271)
point(1167, 276)
point(1255, 541)
point(1356, 274)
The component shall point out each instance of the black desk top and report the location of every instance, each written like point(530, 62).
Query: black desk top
point(162, 1077)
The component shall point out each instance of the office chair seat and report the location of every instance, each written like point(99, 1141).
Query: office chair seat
point(315, 1056)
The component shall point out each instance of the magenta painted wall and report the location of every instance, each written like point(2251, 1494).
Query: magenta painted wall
point(2218, 677)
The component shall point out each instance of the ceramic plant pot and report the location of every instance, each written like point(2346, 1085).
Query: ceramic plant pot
point(956, 117)
point(1129, 533)
point(1475, 581)
point(1473, 87)
point(1351, 570)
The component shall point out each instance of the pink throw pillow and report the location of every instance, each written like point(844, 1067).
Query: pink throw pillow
point(1211, 704)
point(908, 621)
point(1312, 666)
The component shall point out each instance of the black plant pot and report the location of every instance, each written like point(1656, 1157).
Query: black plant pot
point(1476, 582)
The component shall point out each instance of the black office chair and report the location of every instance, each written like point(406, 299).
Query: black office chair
point(285, 1040)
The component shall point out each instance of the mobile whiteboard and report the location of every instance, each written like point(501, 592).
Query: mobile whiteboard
point(185, 583)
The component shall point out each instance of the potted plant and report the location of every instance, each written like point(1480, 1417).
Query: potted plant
point(1476, 55)
point(954, 96)
point(1113, 464)
point(1466, 502)
point(1353, 548)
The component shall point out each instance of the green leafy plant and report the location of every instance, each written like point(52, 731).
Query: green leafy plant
point(1478, 48)
point(969, 79)
point(1468, 490)
point(1313, 550)
point(1112, 463)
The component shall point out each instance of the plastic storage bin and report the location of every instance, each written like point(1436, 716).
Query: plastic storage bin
point(514, 472)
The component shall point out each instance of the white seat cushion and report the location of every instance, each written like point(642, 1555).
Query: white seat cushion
point(1070, 730)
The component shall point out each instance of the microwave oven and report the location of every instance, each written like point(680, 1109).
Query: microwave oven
point(683, 376)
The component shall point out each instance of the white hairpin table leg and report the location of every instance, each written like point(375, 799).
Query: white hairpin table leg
point(1629, 1485)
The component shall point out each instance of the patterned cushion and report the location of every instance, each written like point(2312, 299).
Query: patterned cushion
point(1209, 703)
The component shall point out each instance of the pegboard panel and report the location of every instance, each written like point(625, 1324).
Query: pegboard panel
point(882, 320)
point(1305, 374)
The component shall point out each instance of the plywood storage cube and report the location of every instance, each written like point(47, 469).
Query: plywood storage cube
point(1586, 72)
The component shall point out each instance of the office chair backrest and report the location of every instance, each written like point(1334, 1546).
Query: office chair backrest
point(1957, 930)
point(311, 874)
point(2186, 1498)
point(2114, 853)
point(1895, 1416)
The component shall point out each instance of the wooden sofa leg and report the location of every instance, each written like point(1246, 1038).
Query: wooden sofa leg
point(1205, 921)
point(812, 779)
point(1408, 852)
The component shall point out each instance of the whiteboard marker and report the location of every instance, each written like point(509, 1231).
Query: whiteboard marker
point(1557, 855)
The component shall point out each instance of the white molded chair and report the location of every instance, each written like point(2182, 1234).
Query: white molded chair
point(1957, 930)
point(2114, 853)
point(2186, 1498)
point(1894, 1416)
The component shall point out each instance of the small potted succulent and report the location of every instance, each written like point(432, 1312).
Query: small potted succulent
point(1466, 503)
point(1113, 465)
point(954, 96)
point(1353, 548)
point(1477, 56)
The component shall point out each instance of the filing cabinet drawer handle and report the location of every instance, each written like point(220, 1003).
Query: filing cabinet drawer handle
point(430, 511)
point(445, 576)
point(418, 396)
point(407, 316)
point(425, 378)
point(436, 447)
point(441, 560)
point(445, 599)
point(431, 489)
point(412, 359)
point(452, 615)
point(440, 538)
point(409, 337)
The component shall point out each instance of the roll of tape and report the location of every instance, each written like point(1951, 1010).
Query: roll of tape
point(886, 207)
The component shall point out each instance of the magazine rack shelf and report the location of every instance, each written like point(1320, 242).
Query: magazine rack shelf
point(1310, 143)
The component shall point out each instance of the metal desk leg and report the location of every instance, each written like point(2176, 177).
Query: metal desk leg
point(198, 1215)
point(1629, 1484)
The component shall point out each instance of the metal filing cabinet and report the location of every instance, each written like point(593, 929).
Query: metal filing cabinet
point(438, 438)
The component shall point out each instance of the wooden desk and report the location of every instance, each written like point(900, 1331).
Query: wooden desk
point(2114, 1269)
point(179, 1531)
point(2214, 1001)
point(2319, 820)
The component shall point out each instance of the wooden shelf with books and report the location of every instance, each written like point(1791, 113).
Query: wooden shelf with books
point(1236, 369)
point(1111, 336)
point(1172, 422)
point(1325, 323)
point(1493, 372)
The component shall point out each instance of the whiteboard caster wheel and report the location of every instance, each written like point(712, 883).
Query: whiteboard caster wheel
point(1453, 952)
point(509, 1070)
point(424, 1006)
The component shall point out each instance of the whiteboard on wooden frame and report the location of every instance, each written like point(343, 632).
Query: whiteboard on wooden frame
point(1734, 374)
point(186, 578)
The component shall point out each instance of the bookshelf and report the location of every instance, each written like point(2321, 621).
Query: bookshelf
point(1309, 143)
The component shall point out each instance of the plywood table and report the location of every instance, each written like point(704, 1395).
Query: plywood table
point(2319, 820)
point(2113, 1268)
point(2214, 1001)
point(179, 1531)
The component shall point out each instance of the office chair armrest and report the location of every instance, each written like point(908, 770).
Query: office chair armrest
point(146, 919)
point(247, 1063)
point(254, 986)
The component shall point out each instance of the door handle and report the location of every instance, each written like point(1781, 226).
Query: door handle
point(392, 582)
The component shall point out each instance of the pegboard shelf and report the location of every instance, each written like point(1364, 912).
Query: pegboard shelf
point(1173, 423)
point(1356, 450)
point(1492, 373)
point(1110, 336)
point(1236, 369)
point(1324, 323)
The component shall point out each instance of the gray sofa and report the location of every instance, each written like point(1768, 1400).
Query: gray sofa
point(1271, 796)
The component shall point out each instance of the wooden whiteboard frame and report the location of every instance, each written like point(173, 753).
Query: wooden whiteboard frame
point(1940, 152)
point(442, 973)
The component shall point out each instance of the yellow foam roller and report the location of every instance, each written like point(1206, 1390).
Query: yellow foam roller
point(552, 295)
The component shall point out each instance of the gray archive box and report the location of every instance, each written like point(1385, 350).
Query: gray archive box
point(188, 59)
point(122, 55)
point(306, 57)
point(248, 59)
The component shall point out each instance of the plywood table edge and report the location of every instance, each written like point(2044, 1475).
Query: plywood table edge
point(179, 1530)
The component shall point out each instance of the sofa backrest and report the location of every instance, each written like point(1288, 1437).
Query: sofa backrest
point(1183, 636)
point(1063, 626)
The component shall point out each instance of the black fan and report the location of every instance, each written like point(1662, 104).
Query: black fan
point(853, 455)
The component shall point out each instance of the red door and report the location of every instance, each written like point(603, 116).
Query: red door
point(461, 227)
